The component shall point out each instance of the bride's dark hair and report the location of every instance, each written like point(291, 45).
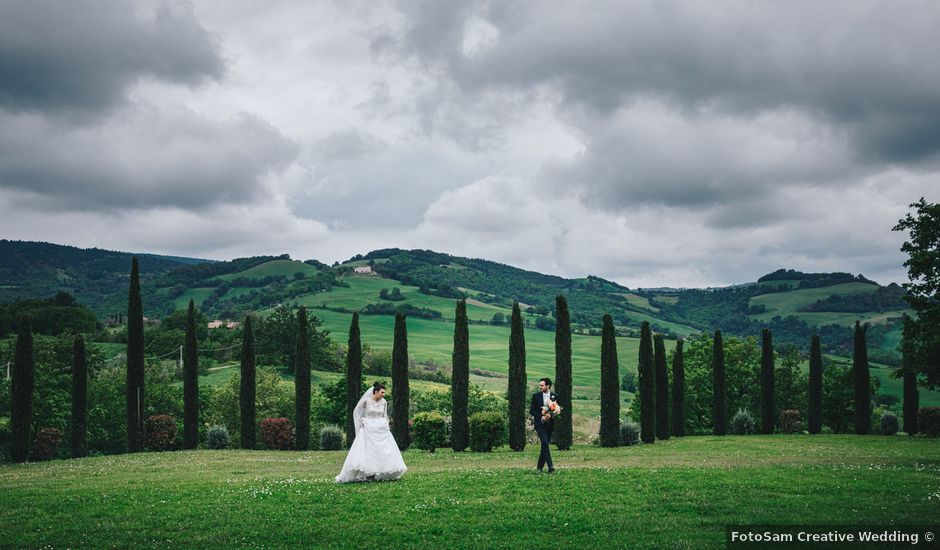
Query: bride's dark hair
point(377, 386)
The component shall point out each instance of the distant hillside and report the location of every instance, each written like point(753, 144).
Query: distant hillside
point(793, 304)
point(91, 275)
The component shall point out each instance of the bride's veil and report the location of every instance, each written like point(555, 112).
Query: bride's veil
point(360, 409)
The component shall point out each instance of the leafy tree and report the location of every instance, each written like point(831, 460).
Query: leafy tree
point(838, 395)
point(790, 382)
point(179, 321)
point(767, 409)
point(191, 382)
point(862, 382)
point(628, 382)
point(22, 385)
point(563, 384)
point(400, 393)
point(678, 392)
point(79, 421)
point(353, 378)
point(136, 397)
point(460, 380)
point(923, 292)
point(302, 384)
point(276, 341)
point(647, 377)
point(517, 381)
point(814, 416)
point(662, 388)
point(719, 385)
point(610, 387)
point(248, 388)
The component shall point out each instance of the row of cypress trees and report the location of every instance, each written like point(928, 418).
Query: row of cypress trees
point(656, 420)
point(516, 391)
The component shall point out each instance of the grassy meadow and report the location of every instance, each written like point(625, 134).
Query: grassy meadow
point(789, 303)
point(673, 494)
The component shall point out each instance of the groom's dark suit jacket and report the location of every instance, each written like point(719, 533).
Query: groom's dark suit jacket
point(535, 408)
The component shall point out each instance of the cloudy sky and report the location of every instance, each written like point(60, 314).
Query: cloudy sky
point(653, 143)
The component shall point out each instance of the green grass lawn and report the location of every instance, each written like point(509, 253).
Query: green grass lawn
point(673, 494)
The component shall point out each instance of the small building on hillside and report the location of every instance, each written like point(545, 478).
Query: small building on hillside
point(231, 325)
point(363, 270)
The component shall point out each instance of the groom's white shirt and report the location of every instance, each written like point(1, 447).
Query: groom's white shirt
point(546, 397)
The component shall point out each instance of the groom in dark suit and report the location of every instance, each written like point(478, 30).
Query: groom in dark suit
point(543, 428)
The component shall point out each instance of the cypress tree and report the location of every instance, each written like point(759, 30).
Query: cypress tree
point(302, 384)
point(563, 386)
point(79, 398)
point(353, 377)
point(718, 386)
point(517, 381)
point(678, 392)
point(647, 385)
point(22, 386)
point(135, 364)
point(610, 386)
point(190, 382)
point(400, 392)
point(460, 380)
point(909, 372)
point(767, 383)
point(662, 388)
point(814, 418)
point(247, 389)
point(862, 382)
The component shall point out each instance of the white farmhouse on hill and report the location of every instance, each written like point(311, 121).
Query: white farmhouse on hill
point(363, 270)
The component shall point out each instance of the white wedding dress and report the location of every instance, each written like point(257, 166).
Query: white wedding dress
point(374, 451)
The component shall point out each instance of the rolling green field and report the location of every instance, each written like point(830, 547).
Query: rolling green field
point(274, 267)
point(789, 303)
point(674, 494)
point(364, 290)
point(489, 348)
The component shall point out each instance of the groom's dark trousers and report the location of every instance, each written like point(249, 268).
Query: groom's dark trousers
point(544, 430)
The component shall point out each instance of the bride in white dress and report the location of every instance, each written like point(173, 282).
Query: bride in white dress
point(374, 455)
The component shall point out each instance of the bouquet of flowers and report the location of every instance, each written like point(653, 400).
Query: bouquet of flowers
point(551, 411)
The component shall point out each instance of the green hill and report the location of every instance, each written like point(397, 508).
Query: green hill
point(793, 304)
point(92, 276)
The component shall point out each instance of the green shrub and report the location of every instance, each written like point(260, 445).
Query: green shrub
point(629, 433)
point(487, 431)
point(742, 423)
point(47, 443)
point(4, 430)
point(790, 422)
point(928, 421)
point(889, 424)
point(429, 431)
point(217, 437)
point(826, 430)
point(277, 433)
point(331, 438)
point(161, 432)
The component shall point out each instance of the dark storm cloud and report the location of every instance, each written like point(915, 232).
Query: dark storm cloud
point(73, 138)
point(867, 68)
point(84, 55)
point(139, 158)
